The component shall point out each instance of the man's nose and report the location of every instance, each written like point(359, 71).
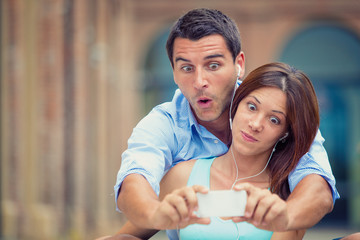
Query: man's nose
point(200, 81)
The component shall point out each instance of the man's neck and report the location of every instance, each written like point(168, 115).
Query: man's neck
point(219, 128)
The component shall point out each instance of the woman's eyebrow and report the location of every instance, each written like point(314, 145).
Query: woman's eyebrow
point(255, 99)
point(277, 111)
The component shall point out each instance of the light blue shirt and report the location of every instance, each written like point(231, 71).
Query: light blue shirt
point(170, 134)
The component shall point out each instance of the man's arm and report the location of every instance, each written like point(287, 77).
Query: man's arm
point(309, 202)
point(137, 200)
point(312, 186)
point(143, 164)
point(130, 229)
point(129, 232)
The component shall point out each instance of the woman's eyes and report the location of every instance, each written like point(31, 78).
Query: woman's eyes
point(251, 106)
point(274, 120)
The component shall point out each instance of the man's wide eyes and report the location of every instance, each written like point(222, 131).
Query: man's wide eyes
point(214, 66)
point(187, 68)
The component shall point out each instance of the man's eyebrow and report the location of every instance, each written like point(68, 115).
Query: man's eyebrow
point(214, 56)
point(181, 59)
point(177, 59)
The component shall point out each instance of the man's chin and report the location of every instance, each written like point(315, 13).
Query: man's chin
point(207, 118)
point(206, 115)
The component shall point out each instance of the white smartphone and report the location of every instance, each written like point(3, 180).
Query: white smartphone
point(221, 203)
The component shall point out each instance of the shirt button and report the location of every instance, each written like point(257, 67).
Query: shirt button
point(216, 141)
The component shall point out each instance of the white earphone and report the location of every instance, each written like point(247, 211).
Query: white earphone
point(238, 75)
point(283, 137)
point(239, 71)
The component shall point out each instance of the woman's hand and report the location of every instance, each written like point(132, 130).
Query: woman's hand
point(176, 210)
point(264, 209)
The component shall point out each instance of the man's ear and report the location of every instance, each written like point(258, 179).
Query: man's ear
point(240, 60)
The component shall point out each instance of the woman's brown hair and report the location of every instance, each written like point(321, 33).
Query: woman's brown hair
point(302, 117)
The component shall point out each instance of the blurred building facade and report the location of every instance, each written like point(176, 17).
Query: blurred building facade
point(76, 77)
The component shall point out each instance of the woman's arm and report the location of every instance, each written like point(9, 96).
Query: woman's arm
point(175, 178)
point(178, 201)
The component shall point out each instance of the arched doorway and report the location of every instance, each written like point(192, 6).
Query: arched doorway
point(158, 82)
point(330, 55)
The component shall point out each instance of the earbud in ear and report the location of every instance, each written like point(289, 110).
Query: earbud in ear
point(283, 137)
point(239, 70)
point(230, 120)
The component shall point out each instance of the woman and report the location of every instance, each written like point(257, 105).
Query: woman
point(275, 106)
point(274, 118)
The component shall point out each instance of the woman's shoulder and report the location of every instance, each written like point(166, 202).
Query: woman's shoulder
point(176, 177)
point(182, 170)
point(185, 165)
point(179, 174)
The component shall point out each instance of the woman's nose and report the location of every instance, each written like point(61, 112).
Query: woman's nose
point(256, 123)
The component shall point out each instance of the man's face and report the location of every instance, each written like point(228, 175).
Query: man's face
point(205, 72)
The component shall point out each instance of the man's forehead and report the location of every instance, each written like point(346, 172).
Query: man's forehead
point(212, 46)
point(210, 39)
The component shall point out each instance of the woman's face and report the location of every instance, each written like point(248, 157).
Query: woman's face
point(260, 121)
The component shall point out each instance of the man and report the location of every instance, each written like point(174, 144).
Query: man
point(205, 53)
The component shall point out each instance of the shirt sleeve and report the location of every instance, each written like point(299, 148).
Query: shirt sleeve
point(316, 161)
point(149, 152)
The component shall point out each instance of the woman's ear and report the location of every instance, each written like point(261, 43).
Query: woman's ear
point(283, 138)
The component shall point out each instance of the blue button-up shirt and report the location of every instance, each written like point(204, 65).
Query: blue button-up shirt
point(170, 134)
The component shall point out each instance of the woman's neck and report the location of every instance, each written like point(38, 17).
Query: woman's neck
point(233, 167)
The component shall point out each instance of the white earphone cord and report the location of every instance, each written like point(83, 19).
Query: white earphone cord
point(237, 171)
